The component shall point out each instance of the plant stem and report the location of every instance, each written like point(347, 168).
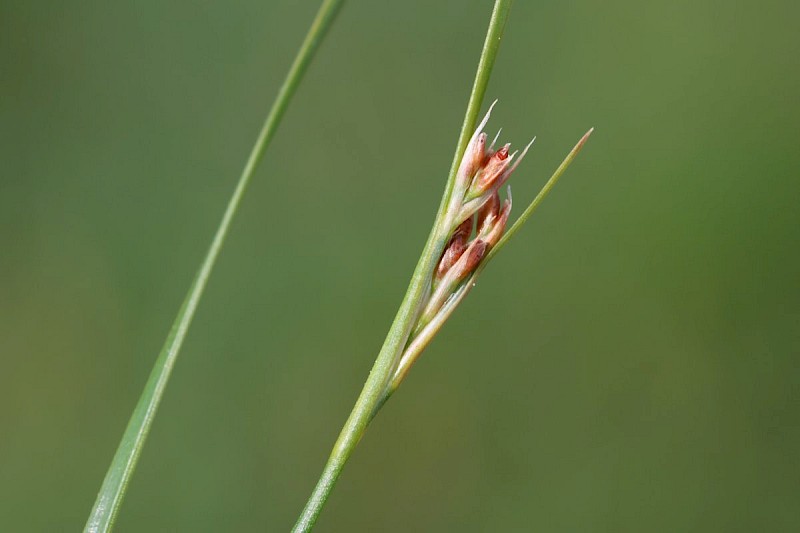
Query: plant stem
point(376, 391)
point(124, 462)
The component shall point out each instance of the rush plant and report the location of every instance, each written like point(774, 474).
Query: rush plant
point(470, 228)
point(468, 231)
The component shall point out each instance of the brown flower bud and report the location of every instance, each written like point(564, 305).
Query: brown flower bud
point(470, 259)
point(494, 172)
point(456, 247)
point(496, 230)
point(445, 285)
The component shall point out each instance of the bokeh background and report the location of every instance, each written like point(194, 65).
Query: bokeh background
point(628, 363)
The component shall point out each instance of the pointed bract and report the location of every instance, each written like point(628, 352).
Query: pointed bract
point(474, 154)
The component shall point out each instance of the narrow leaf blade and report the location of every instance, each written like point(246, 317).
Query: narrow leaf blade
point(124, 462)
point(539, 197)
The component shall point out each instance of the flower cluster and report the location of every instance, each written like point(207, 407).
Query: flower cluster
point(475, 206)
point(475, 220)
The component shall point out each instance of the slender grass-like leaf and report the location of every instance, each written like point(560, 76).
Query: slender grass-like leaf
point(124, 462)
point(548, 186)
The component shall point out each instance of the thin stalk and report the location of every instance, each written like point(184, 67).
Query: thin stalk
point(375, 391)
point(545, 190)
point(124, 462)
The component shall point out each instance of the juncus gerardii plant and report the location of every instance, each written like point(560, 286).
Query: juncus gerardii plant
point(469, 229)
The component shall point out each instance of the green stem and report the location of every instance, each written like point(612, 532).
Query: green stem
point(375, 391)
point(124, 462)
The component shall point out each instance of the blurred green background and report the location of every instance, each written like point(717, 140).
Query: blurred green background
point(628, 363)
